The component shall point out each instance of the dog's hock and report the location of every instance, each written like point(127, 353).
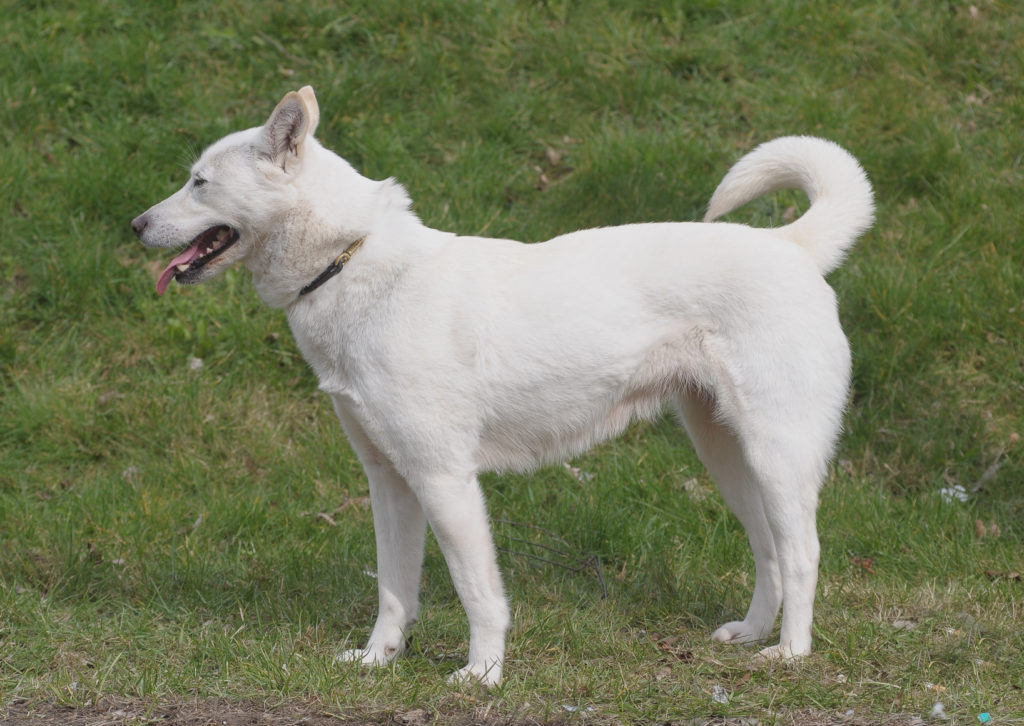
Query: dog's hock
point(295, 117)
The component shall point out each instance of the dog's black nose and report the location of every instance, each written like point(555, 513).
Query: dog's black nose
point(139, 225)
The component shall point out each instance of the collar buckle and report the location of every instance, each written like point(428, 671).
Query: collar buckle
point(332, 269)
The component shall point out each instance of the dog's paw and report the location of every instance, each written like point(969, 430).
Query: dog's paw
point(486, 676)
point(368, 656)
point(739, 632)
point(780, 652)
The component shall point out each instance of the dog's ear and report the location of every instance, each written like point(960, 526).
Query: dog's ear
point(312, 108)
point(295, 117)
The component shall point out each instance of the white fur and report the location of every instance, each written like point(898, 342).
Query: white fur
point(447, 355)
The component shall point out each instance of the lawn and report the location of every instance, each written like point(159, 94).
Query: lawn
point(183, 528)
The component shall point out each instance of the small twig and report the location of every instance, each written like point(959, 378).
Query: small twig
point(990, 473)
point(281, 49)
point(578, 565)
point(553, 550)
point(327, 518)
point(535, 527)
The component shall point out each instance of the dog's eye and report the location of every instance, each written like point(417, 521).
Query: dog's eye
point(198, 181)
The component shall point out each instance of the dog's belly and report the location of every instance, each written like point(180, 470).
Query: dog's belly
point(533, 435)
point(560, 416)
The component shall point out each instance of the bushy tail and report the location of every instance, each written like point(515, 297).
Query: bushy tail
point(842, 204)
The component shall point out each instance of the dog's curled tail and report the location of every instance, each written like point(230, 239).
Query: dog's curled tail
point(842, 203)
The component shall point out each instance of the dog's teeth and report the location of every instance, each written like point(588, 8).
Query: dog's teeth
point(222, 235)
point(181, 268)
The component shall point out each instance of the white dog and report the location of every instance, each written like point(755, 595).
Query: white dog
point(447, 355)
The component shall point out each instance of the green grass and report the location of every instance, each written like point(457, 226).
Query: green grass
point(160, 537)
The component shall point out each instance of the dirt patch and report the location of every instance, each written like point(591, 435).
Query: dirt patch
point(200, 713)
point(125, 712)
point(222, 713)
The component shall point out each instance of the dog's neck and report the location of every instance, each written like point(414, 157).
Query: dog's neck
point(332, 269)
point(334, 206)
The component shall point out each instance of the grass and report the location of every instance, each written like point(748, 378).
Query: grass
point(172, 532)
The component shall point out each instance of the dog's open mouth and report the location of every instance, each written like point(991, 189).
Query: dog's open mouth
point(200, 252)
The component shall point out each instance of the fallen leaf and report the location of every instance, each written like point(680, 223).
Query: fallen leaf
point(1013, 576)
point(865, 563)
point(415, 717)
point(668, 645)
point(982, 530)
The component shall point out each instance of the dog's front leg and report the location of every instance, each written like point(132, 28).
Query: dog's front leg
point(457, 514)
point(399, 528)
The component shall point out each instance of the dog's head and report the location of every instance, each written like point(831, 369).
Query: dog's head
point(237, 191)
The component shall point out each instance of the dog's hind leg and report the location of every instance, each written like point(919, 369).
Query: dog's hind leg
point(400, 528)
point(789, 490)
point(721, 453)
point(458, 517)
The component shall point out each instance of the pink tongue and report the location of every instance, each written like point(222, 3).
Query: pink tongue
point(168, 274)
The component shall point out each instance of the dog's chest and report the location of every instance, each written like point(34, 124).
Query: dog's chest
point(323, 342)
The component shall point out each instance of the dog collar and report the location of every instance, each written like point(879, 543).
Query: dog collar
point(332, 269)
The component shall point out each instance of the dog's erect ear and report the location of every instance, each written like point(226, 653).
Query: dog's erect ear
point(312, 108)
point(295, 117)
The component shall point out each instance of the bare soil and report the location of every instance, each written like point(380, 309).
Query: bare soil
point(222, 713)
point(117, 712)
